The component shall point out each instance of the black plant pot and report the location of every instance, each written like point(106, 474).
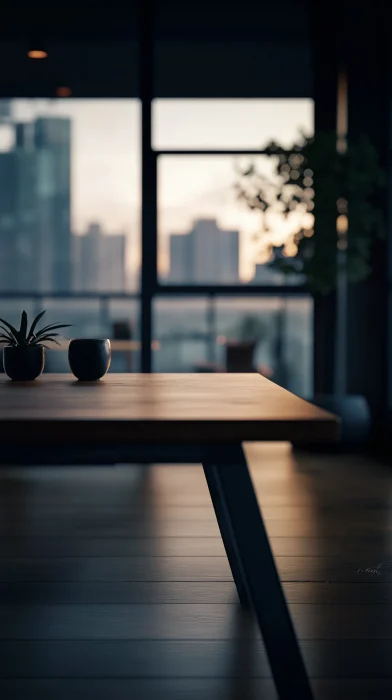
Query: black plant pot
point(355, 423)
point(23, 364)
point(354, 414)
point(89, 359)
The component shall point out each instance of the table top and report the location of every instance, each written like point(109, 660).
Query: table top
point(129, 408)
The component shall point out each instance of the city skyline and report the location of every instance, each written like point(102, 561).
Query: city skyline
point(39, 249)
point(105, 182)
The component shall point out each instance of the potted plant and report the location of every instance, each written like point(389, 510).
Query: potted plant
point(24, 351)
point(343, 186)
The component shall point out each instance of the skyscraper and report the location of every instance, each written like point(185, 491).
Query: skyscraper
point(228, 256)
point(18, 214)
point(52, 140)
point(99, 261)
point(87, 259)
point(8, 223)
point(180, 257)
point(27, 248)
point(35, 233)
point(205, 249)
point(112, 272)
point(205, 255)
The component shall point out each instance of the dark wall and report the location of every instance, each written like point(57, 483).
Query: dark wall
point(358, 43)
point(325, 62)
point(369, 113)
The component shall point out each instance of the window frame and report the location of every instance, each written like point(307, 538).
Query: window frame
point(151, 286)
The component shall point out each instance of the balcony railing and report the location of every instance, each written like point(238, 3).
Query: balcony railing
point(191, 332)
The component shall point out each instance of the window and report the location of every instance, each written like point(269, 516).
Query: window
point(206, 234)
point(71, 198)
point(69, 219)
point(69, 210)
point(224, 124)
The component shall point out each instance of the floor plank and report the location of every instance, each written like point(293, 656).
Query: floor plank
point(95, 526)
point(184, 568)
point(184, 689)
point(185, 621)
point(367, 549)
point(205, 592)
point(134, 512)
point(185, 659)
point(114, 584)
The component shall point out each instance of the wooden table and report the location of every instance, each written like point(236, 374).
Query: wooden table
point(184, 418)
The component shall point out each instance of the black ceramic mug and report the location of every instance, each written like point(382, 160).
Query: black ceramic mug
point(89, 359)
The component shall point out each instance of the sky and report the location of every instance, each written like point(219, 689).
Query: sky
point(105, 185)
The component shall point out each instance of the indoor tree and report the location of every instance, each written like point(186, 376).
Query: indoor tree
point(330, 200)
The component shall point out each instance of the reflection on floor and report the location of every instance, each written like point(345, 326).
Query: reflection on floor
point(114, 582)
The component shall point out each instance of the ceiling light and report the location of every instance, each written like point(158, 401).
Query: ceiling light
point(63, 91)
point(37, 49)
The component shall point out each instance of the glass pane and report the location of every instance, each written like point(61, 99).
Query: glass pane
point(11, 309)
point(182, 342)
point(229, 124)
point(122, 321)
point(206, 234)
point(117, 319)
point(273, 336)
point(70, 195)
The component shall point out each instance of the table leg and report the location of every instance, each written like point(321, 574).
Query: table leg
point(228, 538)
point(253, 567)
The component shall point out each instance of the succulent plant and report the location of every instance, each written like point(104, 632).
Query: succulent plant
point(23, 337)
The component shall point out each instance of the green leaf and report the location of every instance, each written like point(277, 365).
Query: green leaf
point(23, 328)
point(49, 338)
point(51, 327)
point(8, 334)
point(13, 330)
point(34, 325)
point(50, 334)
point(7, 339)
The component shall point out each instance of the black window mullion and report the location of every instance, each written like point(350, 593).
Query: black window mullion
point(149, 187)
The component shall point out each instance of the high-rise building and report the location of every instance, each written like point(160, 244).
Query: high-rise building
point(180, 258)
point(113, 249)
point(87, 259)
point(99, 261)
point(18, 214)
point(205, 249)
point(205, 255)
point(52, 141)
point(27, 250)
point(8, 223)
point(228, 256)
point(35, 234)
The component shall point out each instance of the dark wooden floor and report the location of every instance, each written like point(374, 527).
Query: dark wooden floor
point(114, 583)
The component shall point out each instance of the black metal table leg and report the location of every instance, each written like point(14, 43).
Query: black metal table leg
point(253, 566)
point(228, 538)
